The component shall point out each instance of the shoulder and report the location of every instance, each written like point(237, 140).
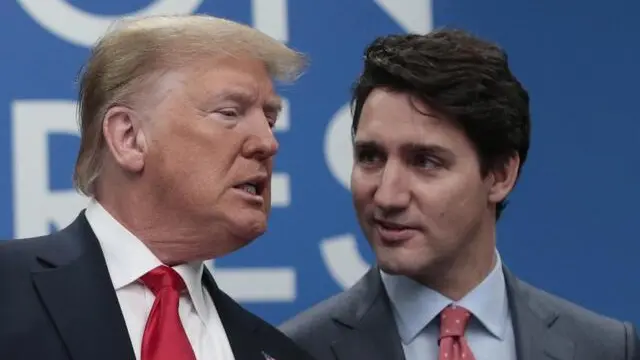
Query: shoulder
point(18, 253)
point(317, 319)
point(578, 314)
point(18, 260)
point(600, 333)
point(64, 243)
point(279, 345)
point(316, 328)
point(325, 321)
point(265, 336)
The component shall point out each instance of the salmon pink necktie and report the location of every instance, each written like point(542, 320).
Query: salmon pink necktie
point(453, 345)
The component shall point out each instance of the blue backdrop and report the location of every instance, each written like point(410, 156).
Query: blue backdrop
point(571, 227)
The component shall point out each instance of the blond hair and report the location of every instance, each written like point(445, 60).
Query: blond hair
point(136, 51)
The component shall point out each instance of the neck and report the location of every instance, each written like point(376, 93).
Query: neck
point(172, 238)
point(456, 277)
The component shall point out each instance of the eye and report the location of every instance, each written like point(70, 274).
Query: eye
point(368, 156)
point(271, 118)
point(229, 112)
point(425, 161)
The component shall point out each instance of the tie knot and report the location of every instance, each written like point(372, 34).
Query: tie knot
point(453, 321)
point(163, 277)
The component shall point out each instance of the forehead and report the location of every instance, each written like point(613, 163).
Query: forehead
point(205, 78)
point(392, 119)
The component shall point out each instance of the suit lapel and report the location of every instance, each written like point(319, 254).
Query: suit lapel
point(533, 325)
point(370, 331)
point(239, 325)
point(74, 284)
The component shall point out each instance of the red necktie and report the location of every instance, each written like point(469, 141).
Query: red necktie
point(164, 337)
point(453, 345)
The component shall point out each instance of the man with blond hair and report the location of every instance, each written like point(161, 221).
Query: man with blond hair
point(176, 117)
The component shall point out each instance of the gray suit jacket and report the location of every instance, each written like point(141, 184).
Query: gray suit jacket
point(358, 324)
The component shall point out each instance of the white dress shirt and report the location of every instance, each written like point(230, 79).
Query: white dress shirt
point(127, 260)
point(416, 309)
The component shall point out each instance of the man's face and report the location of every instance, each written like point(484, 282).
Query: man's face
point(211, 148)
point(417, 186)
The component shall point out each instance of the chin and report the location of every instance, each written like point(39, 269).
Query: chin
point(250, 229)
point(401, 261)
point(236, 240)
point(239, 244)
point(394, 267)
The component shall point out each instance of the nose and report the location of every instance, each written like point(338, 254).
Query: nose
point(392, 194)
point(261, 143)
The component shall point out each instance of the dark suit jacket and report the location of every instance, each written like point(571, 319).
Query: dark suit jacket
point(359, 324)
point(57, 302)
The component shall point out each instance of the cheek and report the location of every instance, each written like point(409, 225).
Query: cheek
point(450, 200)
point(194, 157)
point(361, 190)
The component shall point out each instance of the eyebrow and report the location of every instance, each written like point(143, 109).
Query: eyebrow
point(406, 147)
point(273, 104)
point(428, 148)
point(366, 144)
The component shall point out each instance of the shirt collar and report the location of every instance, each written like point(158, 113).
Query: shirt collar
point(128, 258)
point(415, 305)
point(191, 274)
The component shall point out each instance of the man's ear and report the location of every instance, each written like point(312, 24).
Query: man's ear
point(124, 135)
point(502, 179)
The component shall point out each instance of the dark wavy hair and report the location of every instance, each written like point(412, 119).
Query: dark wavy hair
point(465, 78)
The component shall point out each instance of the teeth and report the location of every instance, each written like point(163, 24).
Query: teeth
point(251, 189)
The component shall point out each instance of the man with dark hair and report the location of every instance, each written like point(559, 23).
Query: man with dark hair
point(441, 130)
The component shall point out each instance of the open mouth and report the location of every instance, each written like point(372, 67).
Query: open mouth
point(251, 188)
point(254, 186)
